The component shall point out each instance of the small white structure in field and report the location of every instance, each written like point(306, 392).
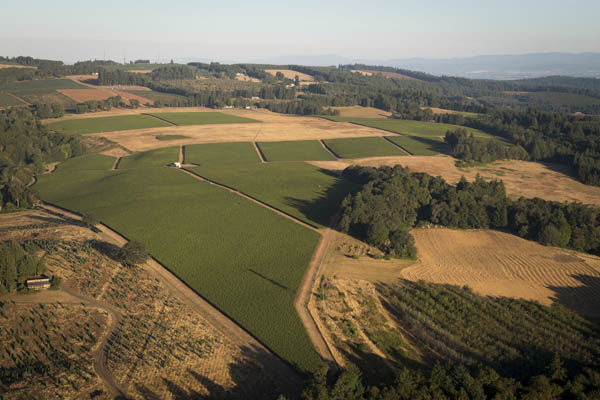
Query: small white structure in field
point(177, 164)
point(38, 283)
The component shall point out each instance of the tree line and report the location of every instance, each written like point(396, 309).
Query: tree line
point(554, 137)
point(468, 148)
point(25, 147)
point(17, 265)
point(394, 200)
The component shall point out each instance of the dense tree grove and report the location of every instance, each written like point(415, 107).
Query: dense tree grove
point(393, 200)
point(556, 137)
point(466, 147)
point(25, 146)
point(17, 265)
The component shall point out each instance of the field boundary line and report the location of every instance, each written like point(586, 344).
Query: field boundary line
point(261, 155)
point(160, 119)
point(116, 164)
point(397, 145)
point(25, 103)
point(329, 150)
point(304, 293)
point(252, 199)
point(212, 314)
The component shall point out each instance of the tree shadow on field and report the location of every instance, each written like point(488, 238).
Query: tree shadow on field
point(320, 210)
point(432, 145)
point(108, 249)
point(248, 380)
point(583, 300)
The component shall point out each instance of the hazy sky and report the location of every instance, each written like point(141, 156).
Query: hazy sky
point(251, 30)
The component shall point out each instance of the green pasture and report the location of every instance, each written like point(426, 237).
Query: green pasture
point(90, 162)
point(154, 158)
point(6, 100)
point(39, 86)
point(363, 147)
point(221, 154)
point(243, 258)
point(296, 150)
point(201, 118)
point(420, 146)
point(107, 124)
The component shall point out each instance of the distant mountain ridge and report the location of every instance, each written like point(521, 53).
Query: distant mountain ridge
point(520, 66)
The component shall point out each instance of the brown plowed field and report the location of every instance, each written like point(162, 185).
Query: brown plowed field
point(291, 74)
point(521, 178)
point(83, 95)
point(274, 127)
point(499, 264)
point(385, 74)
point(362, 112)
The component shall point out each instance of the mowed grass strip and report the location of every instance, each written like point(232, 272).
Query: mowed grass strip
point(201, 118)
point(420, 146)
point(299, 189)
point(296, 150)
point(148, 159)
point(90, 162)
point(243, 258)
point(221, 154)
point(107, 124)
point(363, 147)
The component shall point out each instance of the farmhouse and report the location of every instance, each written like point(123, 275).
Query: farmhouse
point(38, 283)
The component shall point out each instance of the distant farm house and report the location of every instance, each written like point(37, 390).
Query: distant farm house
point(38, 283)
point(176, 164)
point(255, 98)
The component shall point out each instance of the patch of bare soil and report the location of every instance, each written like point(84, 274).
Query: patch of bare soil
point(160, 348)
point(362, 331)
point(2, 66)
point(83, 95)
point(499, 264)
point(385, 74)
point(350, 258)
point(291, 74)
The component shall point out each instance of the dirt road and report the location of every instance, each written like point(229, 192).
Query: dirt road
point(304, 294)
point(292, 383)
point(68, 296)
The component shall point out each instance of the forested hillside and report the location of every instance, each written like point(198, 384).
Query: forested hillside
point(393, 200)
point(25, 146)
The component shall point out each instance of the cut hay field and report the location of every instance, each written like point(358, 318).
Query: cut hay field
point(273, 127)
point(363, 147)
point(499, 264)
point(291, 74)
point(243, 258)
point(106, 124)
point(294, 150)
point(83, 95)
point(296, 188)
point(201, 118)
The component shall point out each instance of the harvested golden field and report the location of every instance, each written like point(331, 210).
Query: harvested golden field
point(291, 74)
point(83, 95)
point(521, 178)
point(350, 258)
point(385, 74)
point(499, 264)
point(16, 66)
point(274, 127)
point(362, 112)
point(140, 71)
